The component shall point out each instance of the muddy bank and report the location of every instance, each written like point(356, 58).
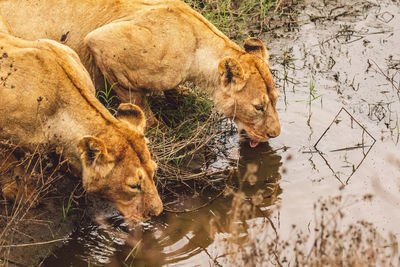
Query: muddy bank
point(32, 233)
point(32, 229)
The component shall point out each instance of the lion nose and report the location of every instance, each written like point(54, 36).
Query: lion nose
point(157, 210)
point(275, 132)
point(153, 212)
point(154, 206)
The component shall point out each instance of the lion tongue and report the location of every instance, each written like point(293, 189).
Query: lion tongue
point(253, 144)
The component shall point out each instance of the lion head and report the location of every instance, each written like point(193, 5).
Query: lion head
point(118, 167)
point(248, 95)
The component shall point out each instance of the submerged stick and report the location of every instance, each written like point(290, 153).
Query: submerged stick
point(35, 244)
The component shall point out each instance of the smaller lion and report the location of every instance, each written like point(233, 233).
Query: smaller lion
point(48, 98)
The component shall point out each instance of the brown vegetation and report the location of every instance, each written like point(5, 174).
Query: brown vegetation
point(329, 241)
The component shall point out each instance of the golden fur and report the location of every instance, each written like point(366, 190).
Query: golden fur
point(47, 97)
point(157, 45)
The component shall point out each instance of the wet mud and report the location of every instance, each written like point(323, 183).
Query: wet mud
point(337, 69)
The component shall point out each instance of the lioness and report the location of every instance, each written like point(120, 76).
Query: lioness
point(157, 45)
point(47, 97)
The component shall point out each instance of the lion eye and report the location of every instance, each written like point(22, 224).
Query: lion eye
point(259, 108)
point(136, 187)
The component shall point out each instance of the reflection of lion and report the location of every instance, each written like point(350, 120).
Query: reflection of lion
point(47, 98)
point(156, 45)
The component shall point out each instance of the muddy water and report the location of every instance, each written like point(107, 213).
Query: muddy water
point(338, 74)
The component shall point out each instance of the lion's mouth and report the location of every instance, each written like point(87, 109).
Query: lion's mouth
point(253, 143)
point(245, 136)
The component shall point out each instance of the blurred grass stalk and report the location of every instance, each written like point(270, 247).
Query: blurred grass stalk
point(329, 240)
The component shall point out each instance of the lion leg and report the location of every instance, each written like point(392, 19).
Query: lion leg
point(138, 98)
point(19, 190)
point(10, 190)
point(177, 94)
point(15, 184)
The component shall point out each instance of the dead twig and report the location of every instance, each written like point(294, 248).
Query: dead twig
point(35, 243)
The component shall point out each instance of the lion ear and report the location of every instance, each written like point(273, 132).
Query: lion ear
point(133, 115)
point(255, 46)
point(232, 74)
point(92, 151)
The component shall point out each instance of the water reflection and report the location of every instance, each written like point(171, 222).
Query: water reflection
point(259, 169)
point(176, 237)
point(344, 145)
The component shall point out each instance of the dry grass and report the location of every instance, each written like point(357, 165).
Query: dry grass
point(246, 236)
point(190, 126)
point(31, 175)
point(329, 241)
point(186, 145)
